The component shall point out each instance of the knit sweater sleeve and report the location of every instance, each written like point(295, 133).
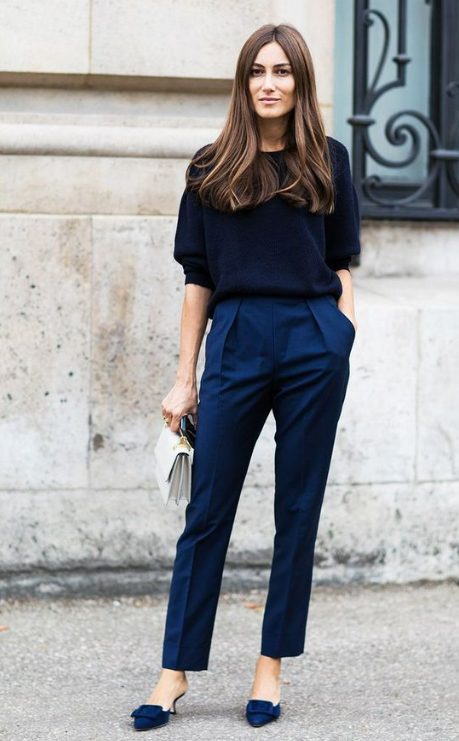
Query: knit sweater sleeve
point(189, 242)
point(342, 227)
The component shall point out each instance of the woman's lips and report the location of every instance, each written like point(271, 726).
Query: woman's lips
point(269, 102)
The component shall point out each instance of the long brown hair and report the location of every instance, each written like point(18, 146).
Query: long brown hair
point(232, 173)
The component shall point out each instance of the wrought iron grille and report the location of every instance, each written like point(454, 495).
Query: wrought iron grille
point(435, 136)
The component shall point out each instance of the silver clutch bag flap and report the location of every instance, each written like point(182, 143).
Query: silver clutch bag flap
point(173, 460)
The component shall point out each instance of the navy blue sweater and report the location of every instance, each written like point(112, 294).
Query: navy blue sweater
point(274, 248)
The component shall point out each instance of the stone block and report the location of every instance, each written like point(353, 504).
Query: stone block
point(45, 332)
point(51, 36)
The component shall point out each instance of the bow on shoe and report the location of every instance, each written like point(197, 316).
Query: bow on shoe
point(147, 711)
point(149, 716)
point(262, 711)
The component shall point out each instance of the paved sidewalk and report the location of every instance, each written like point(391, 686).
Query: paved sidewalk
point(381, 663)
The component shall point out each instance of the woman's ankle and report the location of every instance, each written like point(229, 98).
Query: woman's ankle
point(174, 675)
point(269, 663)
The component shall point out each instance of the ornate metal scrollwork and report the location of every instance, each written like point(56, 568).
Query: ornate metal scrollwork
point(437, 195)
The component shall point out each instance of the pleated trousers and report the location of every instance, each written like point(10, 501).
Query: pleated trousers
point(262, 352)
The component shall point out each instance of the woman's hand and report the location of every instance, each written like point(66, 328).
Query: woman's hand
point(342, 306)
point(181, 399)
point(346, 300)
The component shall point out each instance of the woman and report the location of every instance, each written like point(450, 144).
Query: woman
point(266, 228)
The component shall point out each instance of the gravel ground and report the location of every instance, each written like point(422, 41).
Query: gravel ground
point(380, 663)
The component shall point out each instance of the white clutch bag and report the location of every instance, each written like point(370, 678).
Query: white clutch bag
point(173, 460)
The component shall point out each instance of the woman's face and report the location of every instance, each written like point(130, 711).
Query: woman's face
point(271, 77)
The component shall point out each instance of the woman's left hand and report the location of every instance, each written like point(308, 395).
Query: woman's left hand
point(345, 302)
point(350, 314)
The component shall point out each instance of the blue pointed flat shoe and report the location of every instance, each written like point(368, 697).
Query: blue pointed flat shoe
point(153, 716)
point(259, 712)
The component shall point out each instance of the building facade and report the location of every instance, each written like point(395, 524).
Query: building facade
point(102, 103)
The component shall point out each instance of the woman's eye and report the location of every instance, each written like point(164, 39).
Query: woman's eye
point(287, 72)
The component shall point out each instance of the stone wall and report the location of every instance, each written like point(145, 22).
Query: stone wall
point(101, 106)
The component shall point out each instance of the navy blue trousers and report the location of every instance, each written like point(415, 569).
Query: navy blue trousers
point(289, 355)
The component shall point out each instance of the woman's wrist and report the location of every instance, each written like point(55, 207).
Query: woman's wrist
point(186, 379)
